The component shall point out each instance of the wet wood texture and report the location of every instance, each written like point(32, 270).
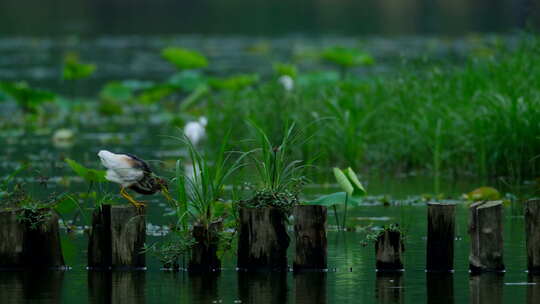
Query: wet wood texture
point(30, 239)
point(262, 239)
point(486, 232)
point(389, 250)
point(440, 237)
point(532, 235)
point(117, 238)
point(310, 234)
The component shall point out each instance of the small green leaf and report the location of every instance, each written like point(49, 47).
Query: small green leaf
point(90, 175)
point(359, 189)
point(343, 181)
point(74, 69)
point(183, 58)
point(332, 199)
point(66, 205)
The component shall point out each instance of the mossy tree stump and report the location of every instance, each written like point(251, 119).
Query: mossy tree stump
point(486, 232)
point(262, 239)
point(389, 250)
point(310, 234)
point(30, 239)
point(204, 256)
point(532, 235)
point(117, 238)
point(440, 237)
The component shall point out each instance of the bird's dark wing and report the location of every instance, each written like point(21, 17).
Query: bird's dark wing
point(139, 163)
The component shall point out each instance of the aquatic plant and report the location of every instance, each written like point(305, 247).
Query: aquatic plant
point(184, 59)
point(74, 69)
point(280, 178)
point(27, 98)
point(346, 58)
point(353, 192)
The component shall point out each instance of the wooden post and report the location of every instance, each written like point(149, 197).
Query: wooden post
point(262, 239)
point(117, 238)
point(389, 250)
point(122, 287)
point(486, 232)
point(310, 287)
point(532, 234)
point(440, 288)
point(486, 288)
point(310, 234)
point(389, 288)
point(440, 237)
point(262, 287)
point(204, 253)
point(30, 239)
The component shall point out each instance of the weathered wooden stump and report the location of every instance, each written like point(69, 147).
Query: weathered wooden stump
point(30, 239)
point(262, 287)
point(117, 238)
point(204, 253)
point(440, 237)
point(532, 235)
point(310, 287)
point(389, 250)
point(122, 287)
point(389, 288)
point(486, 232)
point(310, 234)
point(486, 288)
point(440, 288)
point(262, 239)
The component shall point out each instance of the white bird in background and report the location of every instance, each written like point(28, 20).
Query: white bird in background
point(287, 82)
point(196, 130)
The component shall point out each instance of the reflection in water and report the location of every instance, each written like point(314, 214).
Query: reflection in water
point(533, 290)
point(204, 287)
point(25, 286)
point(486, 288)
point(116, 287)
point(310, 287)
point(389, 287)
point(440, 288)
point(262, 287)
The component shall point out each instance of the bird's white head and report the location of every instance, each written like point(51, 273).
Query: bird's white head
point(203, 121)
point(107, 158)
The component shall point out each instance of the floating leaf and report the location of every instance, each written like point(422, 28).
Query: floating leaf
point(343, 181)
point(116, 91)
point(282, 69)
point(74, 69)
point(337, 198)
point(183, 58)
point(66, 205)
point(26, 97)
point(188, 80)
point(234, 83)
point(347, 57)
point(157, 93)
point(90, 175)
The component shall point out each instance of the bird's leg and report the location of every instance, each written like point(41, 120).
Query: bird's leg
point(126, 195)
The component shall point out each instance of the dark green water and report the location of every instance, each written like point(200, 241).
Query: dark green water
point(243, 17)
